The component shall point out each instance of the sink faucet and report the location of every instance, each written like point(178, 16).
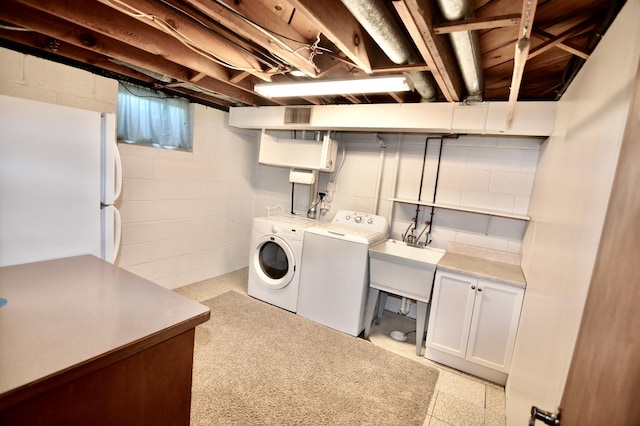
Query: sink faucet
point(427, 225)
point(414, 241)
point(410, 238)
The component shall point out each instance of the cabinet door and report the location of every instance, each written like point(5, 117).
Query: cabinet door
point(494, 325)
point(451, 311)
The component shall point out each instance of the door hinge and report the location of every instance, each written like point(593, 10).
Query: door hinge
point(546, 417)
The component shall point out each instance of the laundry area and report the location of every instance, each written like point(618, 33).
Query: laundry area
point(453, 200)
point(479, 235)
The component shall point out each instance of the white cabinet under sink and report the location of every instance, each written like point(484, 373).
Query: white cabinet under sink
point(473, 324)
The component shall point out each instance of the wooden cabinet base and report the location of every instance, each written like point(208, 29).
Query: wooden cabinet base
point(149, 387)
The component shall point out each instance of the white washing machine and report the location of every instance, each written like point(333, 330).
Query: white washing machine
point(274, 259)
point(335, 273)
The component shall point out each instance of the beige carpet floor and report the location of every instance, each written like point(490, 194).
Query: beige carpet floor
point(256, 364)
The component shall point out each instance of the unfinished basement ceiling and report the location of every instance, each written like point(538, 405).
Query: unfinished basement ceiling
point(215, 51)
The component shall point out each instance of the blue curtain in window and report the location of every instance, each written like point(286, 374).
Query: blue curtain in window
point(149, 117)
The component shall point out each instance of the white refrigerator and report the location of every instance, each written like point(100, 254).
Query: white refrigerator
point(60, 174)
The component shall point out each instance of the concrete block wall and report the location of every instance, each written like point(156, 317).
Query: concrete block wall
point(486, 172)
point(26, 76)
point(187, 216)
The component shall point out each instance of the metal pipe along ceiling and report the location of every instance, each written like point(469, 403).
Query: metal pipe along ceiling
point(466, 47)
point(376, 19)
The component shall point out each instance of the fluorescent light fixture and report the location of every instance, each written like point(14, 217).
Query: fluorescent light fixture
point(334, 87)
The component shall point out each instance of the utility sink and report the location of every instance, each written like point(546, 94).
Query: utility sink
point(402, 252)
point(404, 270)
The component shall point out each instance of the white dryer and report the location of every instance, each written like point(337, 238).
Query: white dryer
point(335, 277)
point(274, 259)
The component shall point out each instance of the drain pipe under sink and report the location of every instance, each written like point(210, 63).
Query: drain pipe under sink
point(398, 335)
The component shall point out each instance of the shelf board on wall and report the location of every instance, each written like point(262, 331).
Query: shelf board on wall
point(463, 209)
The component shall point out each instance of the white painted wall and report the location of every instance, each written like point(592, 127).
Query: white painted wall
point(187, 215)
point(486, 172)
point(25, 76)
point(568, 206)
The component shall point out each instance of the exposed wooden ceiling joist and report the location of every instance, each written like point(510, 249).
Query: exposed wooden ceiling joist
point(418, 17)
point(476, 24)
point(333, 19)
point(50, 45)
point(192, 36)
point(521, 53)
point(574, 50)
point(214, 51)
point(291, 51)
point(91, 26)
point(561, 38)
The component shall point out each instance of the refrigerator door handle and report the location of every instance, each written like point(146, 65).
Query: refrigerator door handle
point(118, 172)
point(117, 231)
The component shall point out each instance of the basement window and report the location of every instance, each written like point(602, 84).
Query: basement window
point(148, 117)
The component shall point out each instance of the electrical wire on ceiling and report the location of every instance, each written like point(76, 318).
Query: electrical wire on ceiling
point(121, 6)
point(313, 48)
point(156, 94)
point(264, 57)
point(10, 28)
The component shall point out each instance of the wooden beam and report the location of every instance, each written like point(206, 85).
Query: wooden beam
point(555, 41)
point(123, 50)
point(103, 20)
point(229, 17)
point(327, 71)
point(396, 97)
point(574, 50)
point(401, 68)
point(335, 21)
point(352, 99)
point(418, 17)
point(313, 100)
point(201, 96)
point(475, 24)
point(32, 39)
point(73, 53)
point(239, 77)
point(520, 58)
point(189, 33)
point(198, 77)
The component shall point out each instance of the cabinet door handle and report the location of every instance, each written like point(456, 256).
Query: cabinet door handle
point(479, 288)
point(473, 287)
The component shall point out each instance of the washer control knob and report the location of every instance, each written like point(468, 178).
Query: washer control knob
point(347, 217)
point(358, 219)
point(370, 221)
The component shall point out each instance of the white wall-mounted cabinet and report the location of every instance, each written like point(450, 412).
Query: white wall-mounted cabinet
point(307, 154)
point(473, 324)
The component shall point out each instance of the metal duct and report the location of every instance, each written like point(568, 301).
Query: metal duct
point(466, 47)
point(376, 19)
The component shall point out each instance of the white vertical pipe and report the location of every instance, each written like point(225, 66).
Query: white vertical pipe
point(376, 198)
point(394, 181)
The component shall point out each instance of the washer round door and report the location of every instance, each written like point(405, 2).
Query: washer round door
point(274, 262)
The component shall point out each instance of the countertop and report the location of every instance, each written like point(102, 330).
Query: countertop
point(483, 263)
point(65, 314)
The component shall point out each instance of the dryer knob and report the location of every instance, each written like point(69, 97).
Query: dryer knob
point(358, 219)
